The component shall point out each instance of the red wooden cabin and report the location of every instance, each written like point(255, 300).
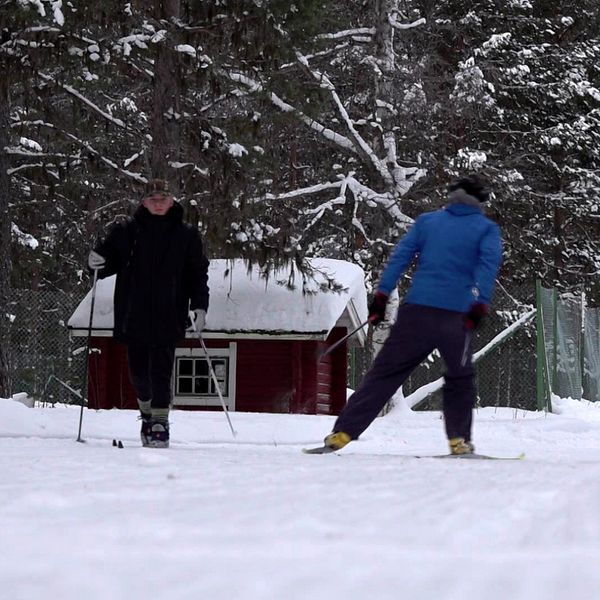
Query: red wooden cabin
point(263, 336)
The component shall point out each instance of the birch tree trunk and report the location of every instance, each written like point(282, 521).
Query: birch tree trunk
point(384, 109)
point(384, 87)
point(5, 263)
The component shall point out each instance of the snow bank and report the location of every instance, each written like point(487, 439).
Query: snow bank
point(18, 420)
point(24, 399)
point(583, 409)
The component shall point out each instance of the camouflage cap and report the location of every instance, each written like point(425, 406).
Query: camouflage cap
point(157, 187)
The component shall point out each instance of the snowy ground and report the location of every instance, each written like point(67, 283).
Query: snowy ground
point(215, 519)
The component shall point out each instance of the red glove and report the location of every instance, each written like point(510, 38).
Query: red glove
point(475, 315)
point(377, 308)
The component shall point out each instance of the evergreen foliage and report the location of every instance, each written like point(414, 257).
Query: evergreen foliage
point(303, 128)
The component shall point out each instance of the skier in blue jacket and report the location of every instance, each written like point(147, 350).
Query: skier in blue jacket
point(458, 252)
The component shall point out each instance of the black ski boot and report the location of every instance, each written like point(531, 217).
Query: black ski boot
point(159, 435)
point(146, 430)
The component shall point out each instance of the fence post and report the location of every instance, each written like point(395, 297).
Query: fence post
point(543, 384)
point(541, 349)
point(582, 340)
point(554, 339)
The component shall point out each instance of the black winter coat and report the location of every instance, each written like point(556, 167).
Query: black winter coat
point(161, 274)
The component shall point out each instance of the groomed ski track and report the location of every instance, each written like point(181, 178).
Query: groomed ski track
point(252, 517)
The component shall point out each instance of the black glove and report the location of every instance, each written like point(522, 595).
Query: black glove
point(476, 313)
point(377, 308)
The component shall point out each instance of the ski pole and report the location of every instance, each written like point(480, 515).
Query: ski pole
point(334, 346)
point(87, 356)
point(212, 372)
point(465, 354)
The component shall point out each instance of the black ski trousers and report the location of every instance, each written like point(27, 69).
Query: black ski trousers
point(150, 372)
point(418, 331)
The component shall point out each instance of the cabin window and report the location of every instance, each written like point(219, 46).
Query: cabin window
point(193, 383)
point(195, 379)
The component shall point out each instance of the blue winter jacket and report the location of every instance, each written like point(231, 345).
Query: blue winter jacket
point(459, 253)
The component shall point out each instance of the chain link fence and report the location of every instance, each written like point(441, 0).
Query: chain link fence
point(568, 346)
point(41, 347)
point(506, 376)
point(591, 362)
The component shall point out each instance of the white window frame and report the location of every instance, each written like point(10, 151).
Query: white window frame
point(230, 353)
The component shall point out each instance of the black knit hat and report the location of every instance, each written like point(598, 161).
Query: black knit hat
point(474, 184)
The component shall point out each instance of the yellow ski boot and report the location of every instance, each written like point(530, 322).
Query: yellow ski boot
point(459, 446)
point(337, 440)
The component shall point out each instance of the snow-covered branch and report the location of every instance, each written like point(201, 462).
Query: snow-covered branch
point(317, 55)
point(235, 93)
point(24, 167)
point(81, 98)
point(137, 176)
point(111, 163)
point(25, 239)
point(195, 168)
point(313, 189)
point(325, 132)
point(322, 209)
point(326, 83)
point(329, 205)
point(105, 206)
point(13, 151)
point(386, 200)
point(394, 176)
point(41, 29)
point(361, 31)
point(397, 25)
point(360, 192)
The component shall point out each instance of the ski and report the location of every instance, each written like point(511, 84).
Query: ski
point(475, 456)
point(521, 456)
point(318, 450)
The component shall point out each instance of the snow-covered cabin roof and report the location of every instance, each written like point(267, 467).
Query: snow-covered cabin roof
point(244, 304)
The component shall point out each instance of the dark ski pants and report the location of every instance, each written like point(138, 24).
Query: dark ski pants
point(418, 331)
point(150, 371)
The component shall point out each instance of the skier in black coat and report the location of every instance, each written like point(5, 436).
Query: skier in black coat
point(162, 273)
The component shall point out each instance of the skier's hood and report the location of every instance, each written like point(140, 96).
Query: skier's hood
point(463, 209)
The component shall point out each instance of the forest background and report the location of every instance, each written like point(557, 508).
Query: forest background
point(294, 129)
